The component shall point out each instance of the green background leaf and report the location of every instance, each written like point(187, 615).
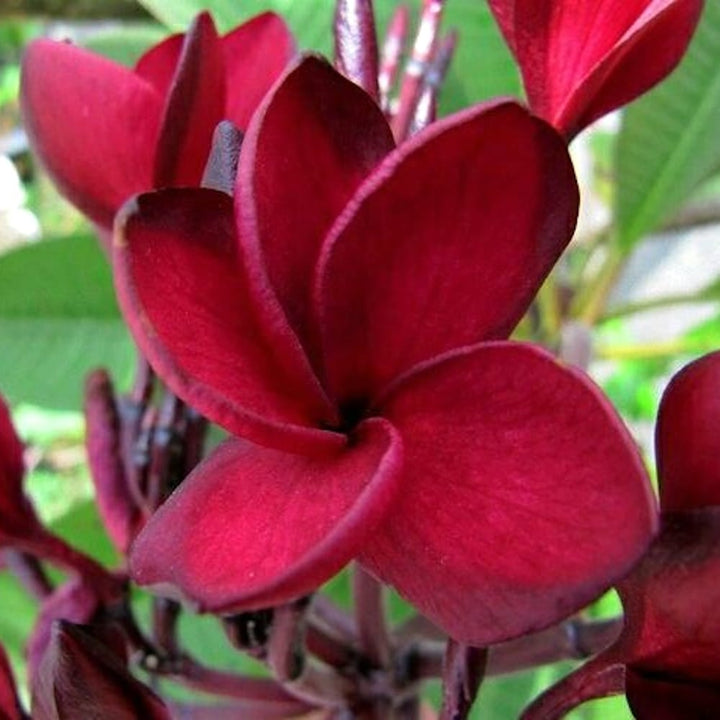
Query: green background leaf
point(58, 320)
point(670, 139)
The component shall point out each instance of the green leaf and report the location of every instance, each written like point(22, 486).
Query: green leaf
point(482, 68)
point(669, 141)
point(58, 320)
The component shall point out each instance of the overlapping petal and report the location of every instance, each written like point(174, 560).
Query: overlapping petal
point(688, 450)
point(80, 678)
point(522, 496)
point(253, 527)
point(93, 123)
point(194, 104)
point(338, 136)
point(256, 53)
point(445, 245)
point(581, 60)
point(185, 296)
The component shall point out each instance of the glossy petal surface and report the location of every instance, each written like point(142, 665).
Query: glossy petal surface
point(581, 60)
point(93, 124)
point(194, 105)
point(255, 53)
point(159, 63)
point(80, 678)
point(686, 437)
point(313, 141)
point(252, 527)
point(522, 496)
point(185, 297)
point(444, 246)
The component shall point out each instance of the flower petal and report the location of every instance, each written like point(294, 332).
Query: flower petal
point(444, 245)
point(185, 297)
point(522, 498)
point(80, 678)
point(195, 105)
point(159, 63)
point(256, 53)
point(311, 143)
point(581, 60)
point(9, 703)
point(686, 437)
point(93, 124)
point(671, 599)
point(17, 516)
point(252, 527)
point(665, 698)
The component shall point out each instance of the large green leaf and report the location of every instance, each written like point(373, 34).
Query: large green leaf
point(482, 68)
point(670, 139)
point(58, 320)
point(126, 43)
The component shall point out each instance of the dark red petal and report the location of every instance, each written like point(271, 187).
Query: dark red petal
point(75, 601)
point(672, 625)
point(252, 527)
point(256, 53)
point(580, 61)
point(523, 496)
point(120, 513)
point(311, 143)
point(12, 465)
point(9, 703)
point(159, 63)
point(185, 297)
point(80, 678)
point(93, 124)
point(445, 245)
point(686, 437)
point(195, 104)
point(667, 698)
point(17, 516)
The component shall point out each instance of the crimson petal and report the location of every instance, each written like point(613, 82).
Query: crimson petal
point(9, 703)
point(444, 245)
point(522, 497)
point(195, 105)
point(671, 600)
point(256, 53)
point(686, 437)
point(581, 60)
point(310, 145)
point(253, 527)
point(159, 63)
point(93, 124)
point(80, 678)
point(185, 297)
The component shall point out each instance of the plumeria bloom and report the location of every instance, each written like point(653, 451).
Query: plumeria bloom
point(580, 60)
point(667, 659)
point(345, 316)
point(105, 132)
point(9, 703)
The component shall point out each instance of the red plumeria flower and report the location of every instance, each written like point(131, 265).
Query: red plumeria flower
point(106, 132)
point(580, 60)
point(667, 659)
point(346, 314)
